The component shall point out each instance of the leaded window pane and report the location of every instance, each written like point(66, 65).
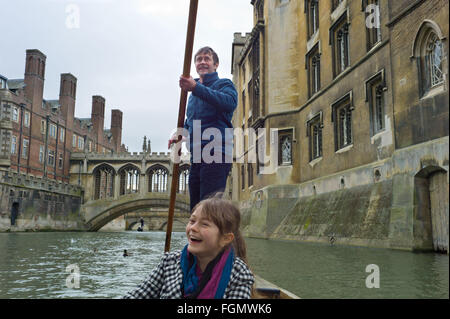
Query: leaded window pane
point(341, 48)
point(129, 180)
point(250, 174)
point(316, 73)
point(316, 140)
point(183, 180)
point(104, 182)
point(379, 110)
point(157, 180)
point(434, 59)
point(286, 152)
point(344, 125)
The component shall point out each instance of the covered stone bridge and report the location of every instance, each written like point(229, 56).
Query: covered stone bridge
point(118, 184)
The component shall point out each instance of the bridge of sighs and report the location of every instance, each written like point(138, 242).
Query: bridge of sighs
point(138, 183)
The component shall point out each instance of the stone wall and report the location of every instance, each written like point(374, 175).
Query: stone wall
point(383, 204)
point(354, 216)
point(42, 204)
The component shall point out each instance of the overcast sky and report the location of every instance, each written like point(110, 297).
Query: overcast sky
point(131, 52)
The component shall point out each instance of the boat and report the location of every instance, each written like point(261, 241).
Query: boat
point(264, 289)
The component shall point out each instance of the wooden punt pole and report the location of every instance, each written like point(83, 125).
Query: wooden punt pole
point(181, 113)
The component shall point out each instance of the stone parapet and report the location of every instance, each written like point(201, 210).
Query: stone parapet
point(39, 183)
point(125, 156)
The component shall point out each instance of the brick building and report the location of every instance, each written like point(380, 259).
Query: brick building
point(38, 135)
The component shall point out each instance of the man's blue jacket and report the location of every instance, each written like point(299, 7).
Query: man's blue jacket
point(213, 103)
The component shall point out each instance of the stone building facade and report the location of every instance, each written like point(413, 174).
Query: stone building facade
point(343, 109)
point(38, 135)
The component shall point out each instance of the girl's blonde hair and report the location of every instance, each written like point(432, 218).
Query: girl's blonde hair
point(227, 218)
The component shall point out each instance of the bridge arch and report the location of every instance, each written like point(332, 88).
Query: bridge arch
point(97, 219)
point(177, 223)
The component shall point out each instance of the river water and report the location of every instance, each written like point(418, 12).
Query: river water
point(40, 265)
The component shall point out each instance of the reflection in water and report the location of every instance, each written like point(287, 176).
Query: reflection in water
point(33, 265)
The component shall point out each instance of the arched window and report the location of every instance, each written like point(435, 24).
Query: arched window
point(129, 179)
point(157, 179)
point(428, 50)
point(103, 181)
point(183, 180)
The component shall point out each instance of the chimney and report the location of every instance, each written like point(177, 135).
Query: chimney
point(98, 117)
point(67, 93)
point(116, 128)
point(34, 77)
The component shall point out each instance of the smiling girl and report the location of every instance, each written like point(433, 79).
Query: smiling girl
point(212, 265)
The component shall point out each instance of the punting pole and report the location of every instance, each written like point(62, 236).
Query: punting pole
point(181, 113)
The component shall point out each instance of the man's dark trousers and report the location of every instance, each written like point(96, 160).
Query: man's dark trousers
point(207, 179)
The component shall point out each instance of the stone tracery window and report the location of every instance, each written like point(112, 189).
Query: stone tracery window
point(285, 147)
point(315, 126)
point(313, 68)
point(157, 179)
point(339, 40)
point(345, 126)
point(342, 118)
point(429, 53)
point(104, 182)
point(373, 25)
point(258, 8)
point(312, 16)
point(183, 180)
point(375, 88)
point(129, 180)
point(254, 84)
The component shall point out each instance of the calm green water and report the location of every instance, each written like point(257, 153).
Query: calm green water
point(326, 271)
point(33, 265)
